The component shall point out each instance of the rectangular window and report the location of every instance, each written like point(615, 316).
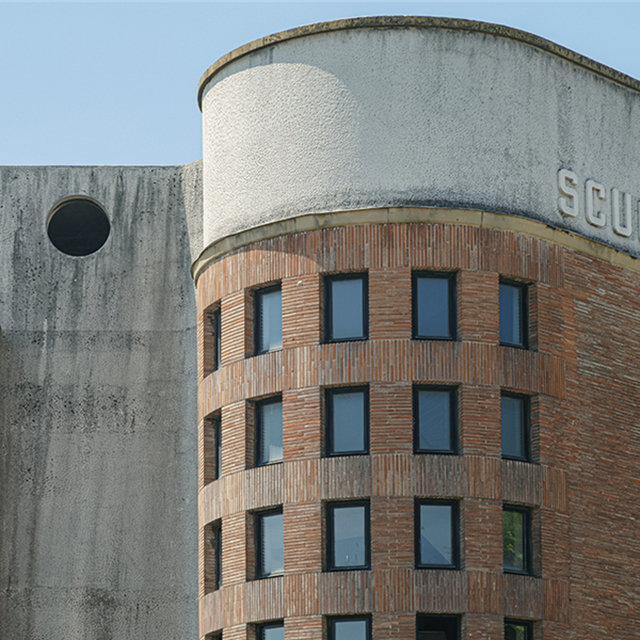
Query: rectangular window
point(347, 421)
point(515, 418)
point(268, 431)
point(513, 315)
point(434, 413)
point(348, 535)
point(217, 446)
point(269, 543)
point(438, 627)
point(268, 319)
point(434, 306)
point(349, 628)
point(216, 543)
point(516, 538)
point(216, 326)
point(346, 307)
point(270, 631)
point(436, 534)
point(518, 630)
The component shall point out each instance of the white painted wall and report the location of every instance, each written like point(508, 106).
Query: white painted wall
point(380, 117)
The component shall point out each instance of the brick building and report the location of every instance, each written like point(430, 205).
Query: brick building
point(418, 338)
point(411, 354)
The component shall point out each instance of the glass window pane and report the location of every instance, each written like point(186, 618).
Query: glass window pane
point(217, 339)
point(350, 630)
point(270, 432)
point(513, 427)
point(432, 307)
point(272, 544)
point(514, 542)
point(348, 422)
point(272, 632)
point(217, 435)
point(436, 534)
point(270, 320)
point(347, 305)
point(514, 631)
point(434, 420)
point(511, 320)
point(437, 627)
point(217, 543)
point(349, 536)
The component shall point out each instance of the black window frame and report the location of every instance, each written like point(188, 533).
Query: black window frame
point(261, 628)
point(527, 624)
point(258, 526)
point(524, 313)
point(451, 276)
point(527, 536)
point(328, 305)
point(216, 543)
point(215, 423)
point(330, 392)
point(526, 416)
point(455, 533)
point(216, 328)
point(453, 425)
point(330, 547)
point(453, 619)
point(257, 315)
point(257, 409)
point(331, 624)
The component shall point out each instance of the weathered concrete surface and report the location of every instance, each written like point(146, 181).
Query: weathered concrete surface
point(410, 116)
point(98, 459)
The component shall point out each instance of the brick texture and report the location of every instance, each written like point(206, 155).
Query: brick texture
point(581, 373)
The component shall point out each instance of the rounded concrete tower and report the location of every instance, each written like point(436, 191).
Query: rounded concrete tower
point(417, 312)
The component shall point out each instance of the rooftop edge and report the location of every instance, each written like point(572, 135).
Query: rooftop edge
point(424, 22)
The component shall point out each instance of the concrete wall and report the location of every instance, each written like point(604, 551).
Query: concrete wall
point(98, 457)
point(458, 116)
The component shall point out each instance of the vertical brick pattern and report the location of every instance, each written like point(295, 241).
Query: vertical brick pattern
point(389, 299)
point(582, 488)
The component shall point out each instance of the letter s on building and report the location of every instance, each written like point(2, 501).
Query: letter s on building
point(567, 185)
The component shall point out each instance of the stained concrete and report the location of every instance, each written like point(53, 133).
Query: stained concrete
point(98, 463)
point(393, 115)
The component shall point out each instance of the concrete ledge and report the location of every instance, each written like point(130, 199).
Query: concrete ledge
point(428, 215)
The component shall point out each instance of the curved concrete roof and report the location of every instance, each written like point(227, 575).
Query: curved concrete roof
point(422, 22)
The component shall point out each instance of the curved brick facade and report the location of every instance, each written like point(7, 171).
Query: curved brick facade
point(578, 330)
point(395, 147)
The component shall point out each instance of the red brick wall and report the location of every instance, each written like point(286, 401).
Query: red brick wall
point(582, 489)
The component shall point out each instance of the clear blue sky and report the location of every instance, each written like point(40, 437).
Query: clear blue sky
point(89, 83)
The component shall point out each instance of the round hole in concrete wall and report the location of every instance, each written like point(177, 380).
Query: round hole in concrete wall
point(78, 226)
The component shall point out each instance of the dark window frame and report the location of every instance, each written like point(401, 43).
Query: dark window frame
point(453, 426)
point(261, 628)
point(331, 624)
point(216, 543)
point(328, 305)
point(452, 618)
point(328, 399)
point(526, 426)
point(527, 536)
point(258, 519)
point(527, 624)
point(257, 315)
point(216, 424)
point(451, 277)
point(330, 521)
point(216, 328)
point(257, 405)
point(455, 533)
point(524, 312)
